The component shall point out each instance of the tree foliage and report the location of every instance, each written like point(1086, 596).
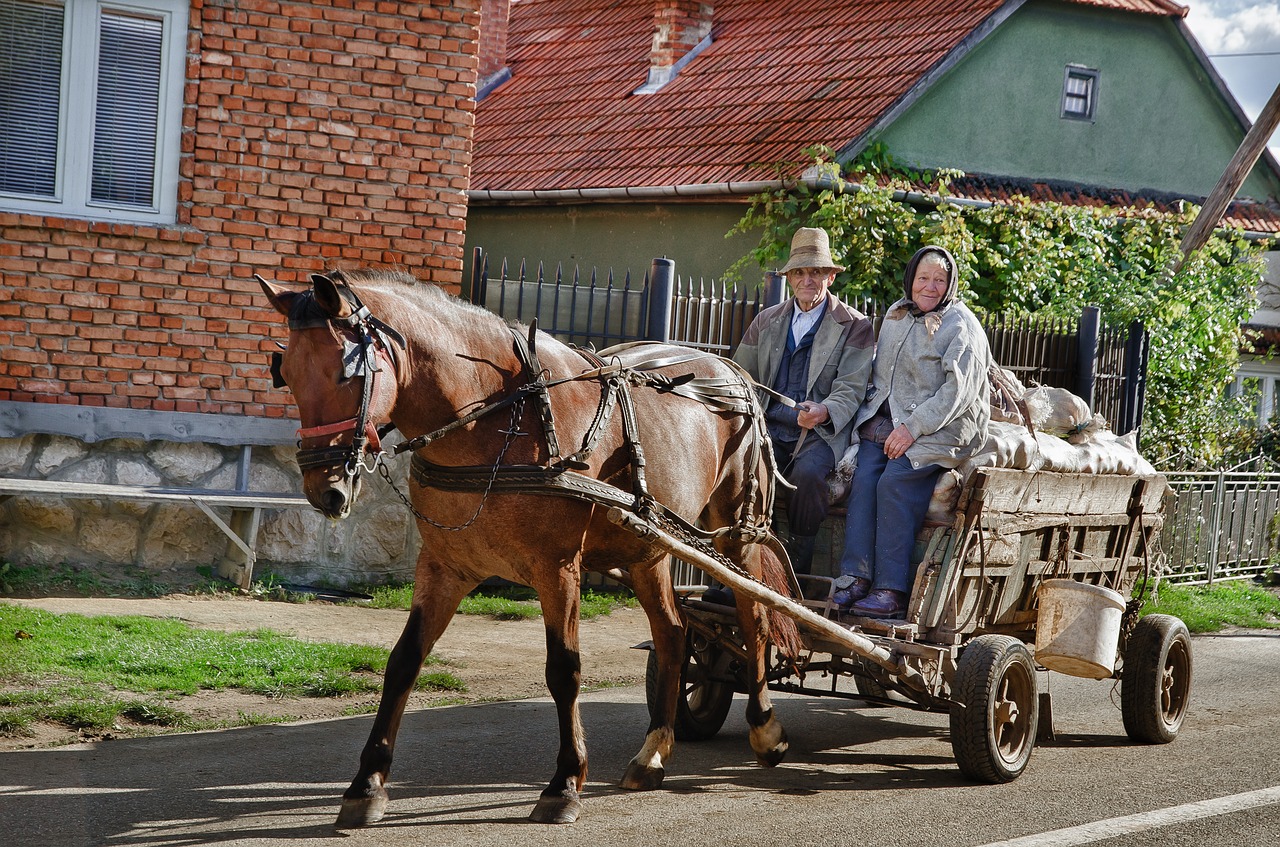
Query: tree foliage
point(1026, 257)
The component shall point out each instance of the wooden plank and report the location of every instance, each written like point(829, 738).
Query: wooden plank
point(1046, 493)
point(153, 494)
point(1255, 141)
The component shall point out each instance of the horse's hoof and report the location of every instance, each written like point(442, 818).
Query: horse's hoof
point(771, 757)
point(361, 811)
point(769, 743)
point(556, 809)
point(642, 777)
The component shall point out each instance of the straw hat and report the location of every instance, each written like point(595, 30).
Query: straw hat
point(811, 248)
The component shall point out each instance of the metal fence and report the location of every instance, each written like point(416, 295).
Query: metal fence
point(1218, 524)
point(1103, 365)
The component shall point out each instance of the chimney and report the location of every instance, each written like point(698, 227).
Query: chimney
point(681, 30)
point(495, 18)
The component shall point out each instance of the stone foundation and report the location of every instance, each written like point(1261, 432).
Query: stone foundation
point(377, 543)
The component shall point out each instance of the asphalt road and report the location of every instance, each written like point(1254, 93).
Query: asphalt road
point(856, 774)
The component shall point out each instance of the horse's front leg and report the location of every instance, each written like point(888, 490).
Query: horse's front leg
point(652, 586)
point(435, 600)
point(561, 800)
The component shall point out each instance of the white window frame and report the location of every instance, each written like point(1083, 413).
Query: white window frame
point(1267, 372)
point(1091, 76)
point(79, 85)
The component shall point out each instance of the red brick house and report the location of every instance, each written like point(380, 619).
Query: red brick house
point(282, 138)
point(161, 154)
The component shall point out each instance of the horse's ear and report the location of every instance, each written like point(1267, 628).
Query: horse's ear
point(281, 298)
point(328, 296)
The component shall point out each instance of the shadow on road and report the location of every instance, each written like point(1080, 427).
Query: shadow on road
point(470, 764)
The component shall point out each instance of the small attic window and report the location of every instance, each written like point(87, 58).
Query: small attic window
point(1080, 93)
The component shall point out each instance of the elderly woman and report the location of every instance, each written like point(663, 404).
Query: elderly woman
point(926, 410)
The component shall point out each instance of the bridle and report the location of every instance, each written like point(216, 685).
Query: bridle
point(370, 357)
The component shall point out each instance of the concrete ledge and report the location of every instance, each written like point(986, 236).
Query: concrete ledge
point(97, 423)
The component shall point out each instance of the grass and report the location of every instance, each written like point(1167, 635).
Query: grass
point(90, 672)
point(506, 603)
point(1211, 608)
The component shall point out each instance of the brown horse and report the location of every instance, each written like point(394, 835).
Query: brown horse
point(467, 387)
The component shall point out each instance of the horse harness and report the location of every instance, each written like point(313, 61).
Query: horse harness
point(371, 353)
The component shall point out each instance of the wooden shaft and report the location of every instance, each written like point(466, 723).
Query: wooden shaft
point(1197, 235)
point(743, 586)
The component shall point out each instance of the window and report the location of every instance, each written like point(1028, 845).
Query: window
point(1258, 382)
point(1080, 93)
point(91, 107)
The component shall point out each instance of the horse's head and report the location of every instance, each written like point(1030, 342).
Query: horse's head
point(341, 365)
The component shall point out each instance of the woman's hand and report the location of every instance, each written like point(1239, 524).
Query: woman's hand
point(898, 441)
point(809, 414)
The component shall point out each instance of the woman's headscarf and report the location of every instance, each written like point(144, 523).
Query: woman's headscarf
point(953, 278)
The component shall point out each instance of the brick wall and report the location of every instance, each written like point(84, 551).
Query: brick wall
point(315, 135)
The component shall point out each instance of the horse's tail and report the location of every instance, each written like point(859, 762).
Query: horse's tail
point(782, 628)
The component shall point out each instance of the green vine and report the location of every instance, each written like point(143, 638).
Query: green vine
point(1027, 257)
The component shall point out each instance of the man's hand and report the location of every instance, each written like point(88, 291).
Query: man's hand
point(810, 415)
point(898, 441)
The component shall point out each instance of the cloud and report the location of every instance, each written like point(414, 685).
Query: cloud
point(1236, 26)
point(1242, 26)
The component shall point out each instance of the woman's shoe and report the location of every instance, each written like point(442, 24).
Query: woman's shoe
point(881, 603)
point(849, 590)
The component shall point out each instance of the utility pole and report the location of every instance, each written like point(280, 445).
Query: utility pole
point(1197, 235)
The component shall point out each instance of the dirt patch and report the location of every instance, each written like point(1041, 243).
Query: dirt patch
point(497, 660)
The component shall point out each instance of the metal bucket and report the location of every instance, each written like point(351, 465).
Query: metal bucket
point(1078, 628)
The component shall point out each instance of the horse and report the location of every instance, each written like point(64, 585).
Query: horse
point(521, 445)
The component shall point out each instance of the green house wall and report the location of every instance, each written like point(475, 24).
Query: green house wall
point(1158, 124)
point(613, 236)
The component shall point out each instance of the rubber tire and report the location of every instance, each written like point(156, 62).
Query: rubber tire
point(701, 706)
point(869, 687)
point(1155, 683)
point(995, 674)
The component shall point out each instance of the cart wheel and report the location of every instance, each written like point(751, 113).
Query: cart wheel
point(993, 724)
point(1155, 682)
point(867, 686)
point(704, 699)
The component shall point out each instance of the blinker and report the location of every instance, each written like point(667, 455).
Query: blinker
point(277, 378)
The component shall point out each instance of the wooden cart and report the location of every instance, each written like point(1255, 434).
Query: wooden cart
point(967, 643)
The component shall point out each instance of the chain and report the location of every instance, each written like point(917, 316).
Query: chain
point(512, 431)
point(673, 529)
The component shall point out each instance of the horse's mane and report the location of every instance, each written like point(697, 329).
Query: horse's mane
point(428, 296)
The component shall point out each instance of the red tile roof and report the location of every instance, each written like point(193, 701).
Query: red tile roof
point(1242, 215)
point(778, 77)
point(1143, 7)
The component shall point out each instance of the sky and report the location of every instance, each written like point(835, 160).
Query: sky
point(1227, 27)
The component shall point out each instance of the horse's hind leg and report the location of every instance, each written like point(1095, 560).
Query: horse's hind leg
point(435, 600)
point(561, 800)
point(652, 586)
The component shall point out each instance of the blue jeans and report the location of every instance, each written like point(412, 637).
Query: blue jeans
point(888, 499)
